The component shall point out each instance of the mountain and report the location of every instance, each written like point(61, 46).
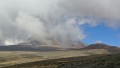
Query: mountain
point(112, 49)
point(26, 48)
point(38, 46)
point(57, 45)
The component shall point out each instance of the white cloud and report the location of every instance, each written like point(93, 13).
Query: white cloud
point(46, 19)
point(98, 9)
point(39, 19)
point(98, 41)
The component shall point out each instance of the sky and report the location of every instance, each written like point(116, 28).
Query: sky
point(102, 34)
point(64, 21)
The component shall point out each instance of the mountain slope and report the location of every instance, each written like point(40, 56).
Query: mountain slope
point(26, 48)
point(94, 61)
point(112, 49)
point(38, 46)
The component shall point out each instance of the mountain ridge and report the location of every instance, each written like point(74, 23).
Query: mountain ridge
point(112, 49)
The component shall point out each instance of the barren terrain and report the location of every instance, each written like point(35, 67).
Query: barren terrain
point(17, 57)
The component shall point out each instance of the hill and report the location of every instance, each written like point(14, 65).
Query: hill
point(112, 49)
point(24, 53)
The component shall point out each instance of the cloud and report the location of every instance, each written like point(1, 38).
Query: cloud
point(56, 20)
point(12, 42)
point(41, 20)
point(98, 9)
point(98, 41)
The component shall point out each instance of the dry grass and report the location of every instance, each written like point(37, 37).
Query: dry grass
point(17, 57)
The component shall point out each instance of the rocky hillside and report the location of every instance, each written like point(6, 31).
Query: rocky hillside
point(112, 49)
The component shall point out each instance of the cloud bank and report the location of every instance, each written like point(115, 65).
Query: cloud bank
point(54, 21)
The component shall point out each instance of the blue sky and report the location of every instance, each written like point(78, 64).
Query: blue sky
point(102, 33)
